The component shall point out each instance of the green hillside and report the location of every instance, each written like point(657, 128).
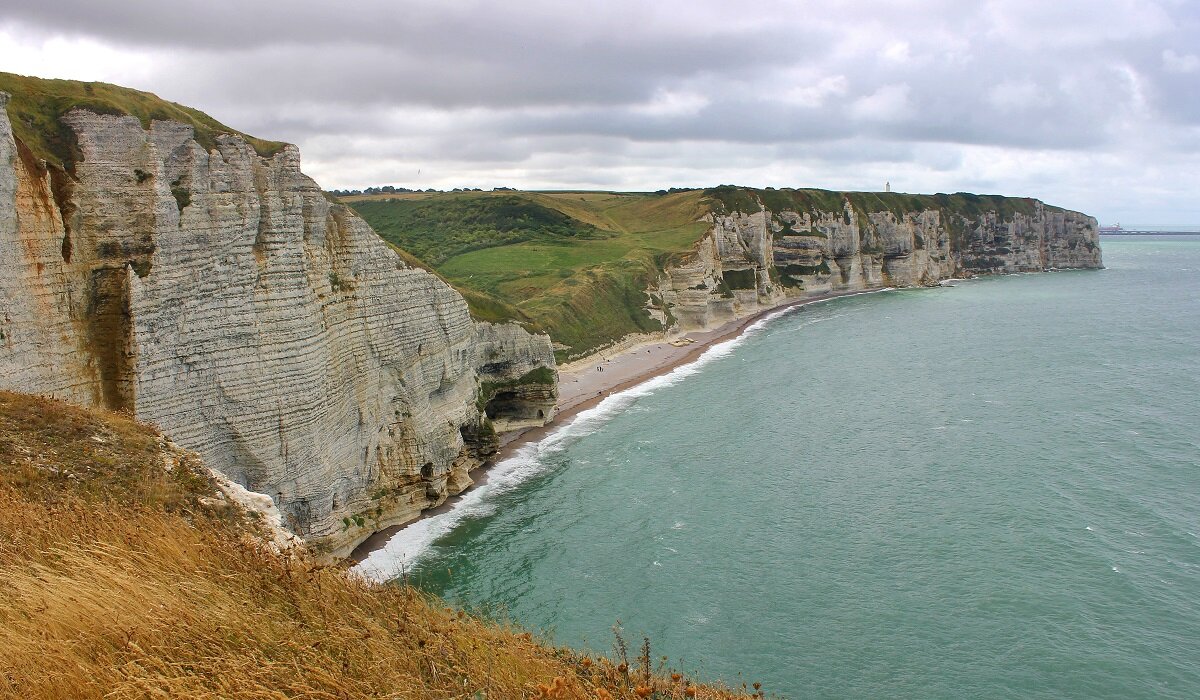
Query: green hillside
point(574, 264)
point(436, 229)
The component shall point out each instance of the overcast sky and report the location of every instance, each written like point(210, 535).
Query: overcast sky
point(1089, 104)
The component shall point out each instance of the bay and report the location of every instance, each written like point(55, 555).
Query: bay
point(990, 489)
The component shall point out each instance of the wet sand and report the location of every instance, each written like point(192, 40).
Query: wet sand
point(587, 384)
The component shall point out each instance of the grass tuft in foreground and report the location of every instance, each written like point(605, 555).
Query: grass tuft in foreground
point(121, 579)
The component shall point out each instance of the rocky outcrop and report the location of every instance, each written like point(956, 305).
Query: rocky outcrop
point(768, 246)
point(218, 294)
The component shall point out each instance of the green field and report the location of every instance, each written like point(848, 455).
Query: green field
point(573, 264)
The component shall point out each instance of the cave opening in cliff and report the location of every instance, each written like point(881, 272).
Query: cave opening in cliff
point(507, 404)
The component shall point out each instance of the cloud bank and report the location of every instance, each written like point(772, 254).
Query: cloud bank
point(1091, 105)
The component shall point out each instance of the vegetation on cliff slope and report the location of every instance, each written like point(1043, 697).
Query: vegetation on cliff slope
point(37, 105)
point(120, 578)
point(574, 264)
point(438, 228)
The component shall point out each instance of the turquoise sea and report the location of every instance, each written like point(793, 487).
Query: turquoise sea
point(979, 491)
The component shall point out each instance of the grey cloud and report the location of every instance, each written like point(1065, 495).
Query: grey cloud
point(625, 91)
point(446, 54)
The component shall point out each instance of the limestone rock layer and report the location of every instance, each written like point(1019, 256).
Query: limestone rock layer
point(219, 294)
point(758, 256)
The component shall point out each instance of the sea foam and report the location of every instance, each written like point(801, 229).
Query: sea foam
point(407, 546)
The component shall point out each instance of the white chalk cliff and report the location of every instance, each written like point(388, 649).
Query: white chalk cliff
point(218, 294)
point(776, 245)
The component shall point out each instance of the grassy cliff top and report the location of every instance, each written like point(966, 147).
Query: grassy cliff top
point(38, 104)
point(730, 198)
point(121, 579)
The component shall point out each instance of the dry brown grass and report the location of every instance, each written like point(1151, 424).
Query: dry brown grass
point(117, 580)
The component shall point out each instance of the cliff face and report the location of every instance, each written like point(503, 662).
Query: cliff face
point(219, 295)
point(765, 247)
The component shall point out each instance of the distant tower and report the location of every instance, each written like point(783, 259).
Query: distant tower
point(887, 186)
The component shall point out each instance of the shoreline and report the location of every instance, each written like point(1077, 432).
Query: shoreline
point(632, 368)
